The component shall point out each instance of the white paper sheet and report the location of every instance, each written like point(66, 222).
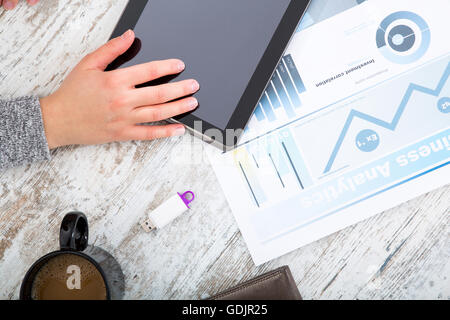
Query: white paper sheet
point(356, 120)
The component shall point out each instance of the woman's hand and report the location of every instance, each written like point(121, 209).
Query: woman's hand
point(94, 107)
point(11, 4)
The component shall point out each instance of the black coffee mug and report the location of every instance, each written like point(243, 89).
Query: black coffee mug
point(73, 239)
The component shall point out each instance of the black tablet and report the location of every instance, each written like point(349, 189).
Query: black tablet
point(231, 47)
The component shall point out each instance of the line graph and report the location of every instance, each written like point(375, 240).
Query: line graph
point(384, 124)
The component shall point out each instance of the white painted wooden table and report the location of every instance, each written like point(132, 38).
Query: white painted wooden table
point(402, 253)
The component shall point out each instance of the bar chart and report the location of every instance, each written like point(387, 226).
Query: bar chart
point(272, 167)
point(282, 95)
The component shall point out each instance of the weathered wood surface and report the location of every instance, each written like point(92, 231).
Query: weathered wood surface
point(402, 253)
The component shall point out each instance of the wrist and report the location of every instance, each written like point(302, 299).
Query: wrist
point(51, 123)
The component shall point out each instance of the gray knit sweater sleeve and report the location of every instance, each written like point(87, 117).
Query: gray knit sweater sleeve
point(22, 135)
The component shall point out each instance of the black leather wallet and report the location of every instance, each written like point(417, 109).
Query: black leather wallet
point(275, 285)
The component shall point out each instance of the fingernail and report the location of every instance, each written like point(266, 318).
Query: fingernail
point(8, 5)
point(192, 103)
point(181, 66)
point(33, 2)
point(127, 35)
point(195, 86)
point(179, 131)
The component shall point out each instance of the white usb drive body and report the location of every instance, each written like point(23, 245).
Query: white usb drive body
point(168, 211)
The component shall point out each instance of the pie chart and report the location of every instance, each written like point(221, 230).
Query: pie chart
point(403, 37)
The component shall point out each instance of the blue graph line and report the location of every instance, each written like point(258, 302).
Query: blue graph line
point(388, 125)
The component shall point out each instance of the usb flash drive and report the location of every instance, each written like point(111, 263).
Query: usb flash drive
point(168, 211)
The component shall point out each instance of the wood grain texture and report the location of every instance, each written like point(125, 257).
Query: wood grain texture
point(401, 253)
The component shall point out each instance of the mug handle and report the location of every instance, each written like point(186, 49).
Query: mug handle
point(74, 232)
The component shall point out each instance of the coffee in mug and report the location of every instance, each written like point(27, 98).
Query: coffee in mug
point(68, 277)
point(76, 271)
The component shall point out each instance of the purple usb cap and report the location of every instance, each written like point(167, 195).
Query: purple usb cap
point(185, 199)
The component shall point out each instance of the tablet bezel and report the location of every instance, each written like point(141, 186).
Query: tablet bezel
point(257, 83)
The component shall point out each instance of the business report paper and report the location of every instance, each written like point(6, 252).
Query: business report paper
point(355, 120)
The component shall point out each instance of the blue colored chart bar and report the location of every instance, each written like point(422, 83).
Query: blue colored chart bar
point(290, 64)
point(289, 85)
point(283, 96)
point(259, 113)
point(295, 159)
point(268, 108)
point(306, 22)
point(244, 162)
point(278, 156)
point(273, 96)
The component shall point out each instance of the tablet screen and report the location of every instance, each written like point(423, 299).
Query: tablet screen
point(221, 42)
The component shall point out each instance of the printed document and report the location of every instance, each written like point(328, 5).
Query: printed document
point(355, 120)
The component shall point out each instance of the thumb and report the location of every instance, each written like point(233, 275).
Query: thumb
point(107, 53)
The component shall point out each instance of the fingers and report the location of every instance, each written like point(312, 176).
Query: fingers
point(140, 132)
point(9, 4)
point(149, 71)
point(163, 112)
point(164, 93)
point(106, 54)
